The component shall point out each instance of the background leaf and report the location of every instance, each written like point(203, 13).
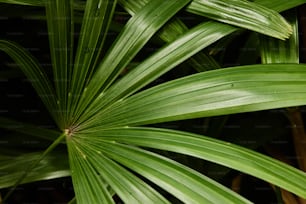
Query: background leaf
point(28, 129)
point(34, 73)
point(24, 2)
point(50, 167)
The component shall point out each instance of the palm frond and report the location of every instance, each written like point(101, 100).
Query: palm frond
point(211, 93)
point(60, 28)
point(280, 5)
point(243, 14)
point(86, 179)
point(276, 51)
point(210, 149)
point(24, 2)
point(127, 186)
point(170, 32)
point(182, 182)
point(135, 34)
point(96, 111)
point(159, 63)
point(96, 19)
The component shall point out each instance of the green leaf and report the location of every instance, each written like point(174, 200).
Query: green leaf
point(34, 73)
point(60, 28)
point(96, 19)
point(88, 185)
point(181, 181)
point(210, 149)
point(138, 30)
point(159, 63)
point(211, 93)
point(170, 32)
point(277, 51)
point(24, 2)
point(72, 201)
point(277, 5)
point(50, 167)
point(128, 186)
point(280, 5)
point(243, 14)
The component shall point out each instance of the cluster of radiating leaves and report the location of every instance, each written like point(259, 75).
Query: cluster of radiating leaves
point(99, 112)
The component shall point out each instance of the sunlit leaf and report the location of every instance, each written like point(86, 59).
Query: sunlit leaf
point(212, 93)
point(88, 185)
point(277, 51)
point(244, 14)
point(161, 62)
point(128, 186)
point(184, 183)
point(136, 33)
point(170, 32)
point(210, 149)
point(96, 19)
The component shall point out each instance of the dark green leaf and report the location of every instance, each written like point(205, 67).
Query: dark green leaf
point(50, 167)
point(28, 129)
point(35, 74)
